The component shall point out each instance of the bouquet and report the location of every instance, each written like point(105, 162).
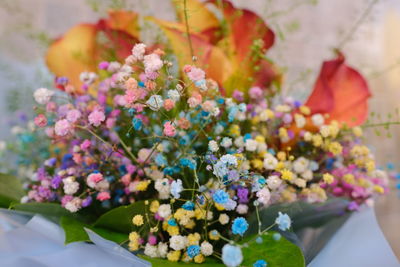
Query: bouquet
point(170, 160)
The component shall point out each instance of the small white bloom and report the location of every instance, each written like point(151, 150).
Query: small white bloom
point(155, 102)
point(164, 210)
point(307, 136)
point(43, 95)
point(274, 182)
point(270, 162)
point(174, 95)
point(308, 175)
point(103, 185)
point(114, 66)
point(162, 249)
point(223, 218)
point(151, 251)
point(242, 209)
point(213, 146)
point(239, 142)
point(206, 248)
point(88, 77)
point(317, 119)
point(74, 205)
point(70, 186)
point(219, 129)
point(300, 120)
point(152, 63)
point(300, 182)
point(138, 51)
point(178, 242)
point(215, 112)
point(264, 195)
point(163, 187)
point(226, 142)
point(251, 145)
point(325, 130)
point(300, 165)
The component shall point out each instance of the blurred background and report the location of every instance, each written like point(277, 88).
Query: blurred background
point(367, 31)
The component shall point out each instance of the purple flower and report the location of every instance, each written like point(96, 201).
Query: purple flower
point(56, 181)
point(86, 202)
point(242, 194)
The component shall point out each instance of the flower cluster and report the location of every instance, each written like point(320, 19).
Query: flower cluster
point(201, 162)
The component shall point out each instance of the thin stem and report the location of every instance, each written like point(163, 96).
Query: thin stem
point(187, 28)
point(355, 27)
point(381, 124)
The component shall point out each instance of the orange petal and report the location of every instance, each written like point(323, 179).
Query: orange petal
point(200, 18)
point(210, 58)
point(73, 53)
point(340, 91)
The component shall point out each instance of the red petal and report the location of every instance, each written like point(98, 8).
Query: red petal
point(340, 91)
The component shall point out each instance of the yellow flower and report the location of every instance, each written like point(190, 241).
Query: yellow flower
point(379, 189)
point(255, 120)
point(281, 155)
point(335, 148)
point(370, 165)
point(234, 130)
point(328, 178)
point(260, 139)
point(287, 175)
point(213, 235)
point(174, 255)
point(190, 224)
point(142, 186)
point(172, 230)
point(305, 110)
point(349, 178)
point(357, 131)
point(317, 140)
point(137, 220)
point(133, 236)
point(219, 207)
point(199, 258)
point(257, 164)
point(283, 133)
point(194, 238)
point(133, 245)
point(280, 166)
point(154, 206)
point(266, 115)
point(200, 214)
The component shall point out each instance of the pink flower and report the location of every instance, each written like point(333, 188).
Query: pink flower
point(169, 104)
point(102, 196)
point(208, 105)
point(255, 92)
point(187, 68)
point(131, 96)
point(51, 107)
point(264, 196)
point(110, 122)
point(73, 115)
point(96, 117)
point(93, 179)
point(184, 123)
point(77, 158)
point(194, 100)
point(49, 132)
point(119, 100)
point(169, 129)
point(62, 127)
point(238, 95)
point(196, 74)
point(152, 240)
point(40, 120)
point(152, 63)
point(85, 144)
point(131, 84)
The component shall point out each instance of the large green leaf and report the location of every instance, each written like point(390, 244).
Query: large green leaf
point(46, 209)
point(120, 219)
point(75, 231)
point(10, 190)
point(275, 253)
point(156, 262)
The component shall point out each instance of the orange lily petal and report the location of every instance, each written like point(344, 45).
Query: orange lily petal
point(340, 91)
point(73, 53)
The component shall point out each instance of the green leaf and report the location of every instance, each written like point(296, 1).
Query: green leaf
point(74, 230)
point(157, 262)
point(275, 253)
point(47, 209)
point(10, 190)
point(120, 219)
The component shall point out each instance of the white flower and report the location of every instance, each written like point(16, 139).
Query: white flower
point(283, 108)
point(300, 182)
point(264, 195)
point(103, 185)
point(325, 130)
point(261, 147)
point(215, 112)
point(317, 119)
point(138, 51)
point(251, 145)
point(162, 249)
point(300, 165)
point(300, 120)
point(163, 187)
point(3, 145)
point(151, 251)
point(114, 66)
point(88, 77)
point(178, 242)
point(152, 63)
point(206, 248)
point(155, 102)
point(307, 136)
point(274, 182)
point(174, 95)
point(70, 186)
point(213, 146)
point(308, 175)
point(43, 95)
point(226, 142)
point(270, 162)
point(219, 129)
point(239, 142)
point(242, 209)
point(74, 205)
point(164, 210)
point(223, 218)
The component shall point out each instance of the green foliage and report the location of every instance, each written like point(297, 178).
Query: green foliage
point(156, 262)
point(10, 190)
point(275, 253)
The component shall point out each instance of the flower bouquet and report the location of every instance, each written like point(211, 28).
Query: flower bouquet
point(185, 163)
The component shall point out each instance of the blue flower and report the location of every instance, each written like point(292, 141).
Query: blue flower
point(161, 160)
point(189, 205)
point(176, 188)
point(191, 164)
point(137, 124)
point(260, 263)
point(172, 222)
point(283, 221)
point(232, 255)
point(193, 251)
point(239, 226)
point(220, 197)
point(220, 169)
